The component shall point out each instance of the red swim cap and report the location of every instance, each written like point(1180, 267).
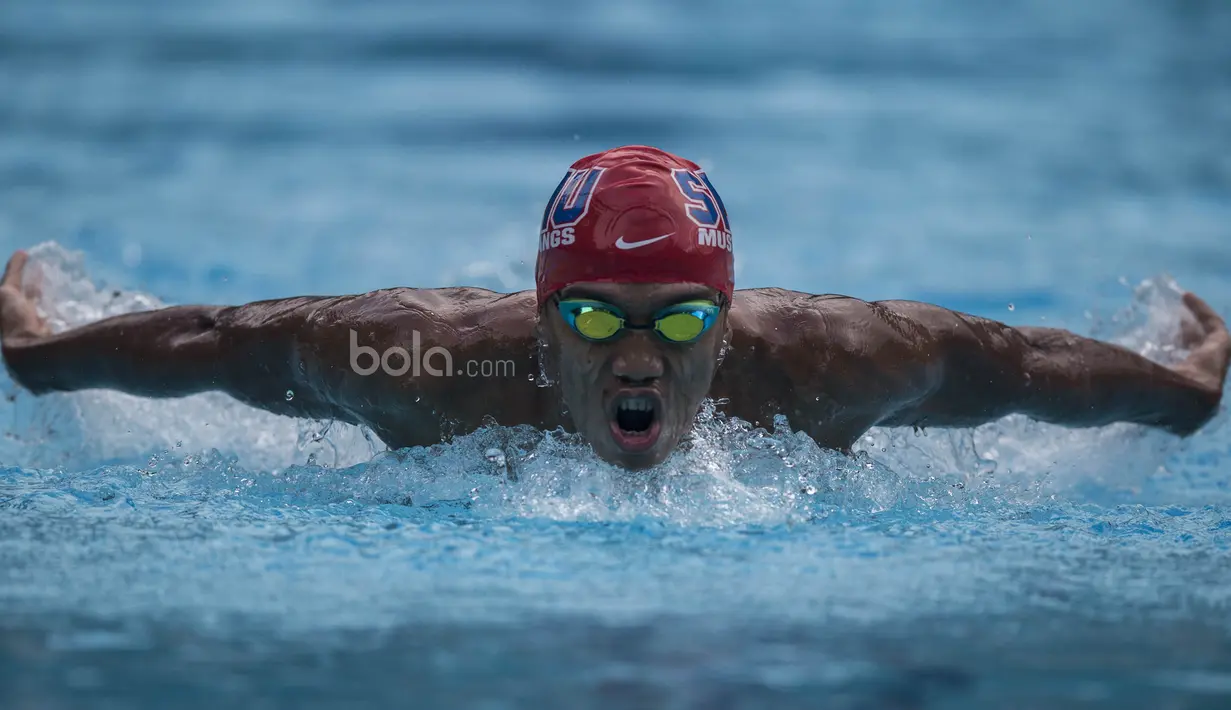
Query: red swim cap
point(634, 214)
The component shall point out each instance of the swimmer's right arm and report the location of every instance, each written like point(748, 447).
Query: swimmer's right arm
point(256, 353)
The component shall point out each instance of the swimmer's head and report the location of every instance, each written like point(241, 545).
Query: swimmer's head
point(634, 277)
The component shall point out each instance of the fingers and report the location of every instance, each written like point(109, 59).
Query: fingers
point(12, 272)
point(1192, 333)
point(1207, 317)
point(18, 280)
point(1210, 343)
point(18, 315)
point(32, 282)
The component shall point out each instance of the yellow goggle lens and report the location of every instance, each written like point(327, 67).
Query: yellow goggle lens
point(680, 326)
point(597, 324)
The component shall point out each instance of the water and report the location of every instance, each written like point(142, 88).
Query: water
point(1042, 163)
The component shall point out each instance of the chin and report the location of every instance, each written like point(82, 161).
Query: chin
point(634, 461)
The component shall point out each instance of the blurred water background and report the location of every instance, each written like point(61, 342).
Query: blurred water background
point(1038, 162)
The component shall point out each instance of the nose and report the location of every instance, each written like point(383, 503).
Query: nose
point(637, 360)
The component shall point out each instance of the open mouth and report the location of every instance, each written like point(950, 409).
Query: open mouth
point(635, 424)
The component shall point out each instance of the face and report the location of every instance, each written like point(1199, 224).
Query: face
point(635, 396)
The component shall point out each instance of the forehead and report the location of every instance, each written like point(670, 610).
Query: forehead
point(631, 295)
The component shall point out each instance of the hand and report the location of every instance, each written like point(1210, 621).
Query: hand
point(1209, 347)
point(19, 319)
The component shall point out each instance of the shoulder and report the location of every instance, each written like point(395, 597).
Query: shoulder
point(783, 316)
point(456, 313)
point(839, 326)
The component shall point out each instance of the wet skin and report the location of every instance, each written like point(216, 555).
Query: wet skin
point(833, 365)
point(596, 377)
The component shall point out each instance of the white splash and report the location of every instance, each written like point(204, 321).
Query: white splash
point(727, 472)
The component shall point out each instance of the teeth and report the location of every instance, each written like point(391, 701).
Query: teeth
point(638, 404)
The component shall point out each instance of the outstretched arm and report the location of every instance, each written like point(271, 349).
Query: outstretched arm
point(981, 370)
point(307, 357)
point(255, 353)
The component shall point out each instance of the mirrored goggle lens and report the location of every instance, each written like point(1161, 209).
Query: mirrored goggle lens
point(681, 327)
point(596, 324)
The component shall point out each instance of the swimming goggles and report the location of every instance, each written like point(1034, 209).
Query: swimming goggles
point(599, 322)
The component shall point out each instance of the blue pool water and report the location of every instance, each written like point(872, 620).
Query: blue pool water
point(1049, 163)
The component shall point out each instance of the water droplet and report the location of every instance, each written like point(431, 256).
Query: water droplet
point(290, 394)
point(418, 398)
point(810, 490)
point(542, 380)
point(178, 444)
point(1011, 307)
point(495, 456)
point(303, 367)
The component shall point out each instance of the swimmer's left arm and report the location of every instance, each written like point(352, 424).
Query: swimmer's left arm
point(968, 370)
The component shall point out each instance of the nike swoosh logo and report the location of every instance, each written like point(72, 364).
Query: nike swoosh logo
point(621, 244)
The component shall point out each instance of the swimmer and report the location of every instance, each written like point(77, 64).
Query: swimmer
point(634, 322)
